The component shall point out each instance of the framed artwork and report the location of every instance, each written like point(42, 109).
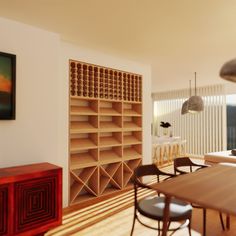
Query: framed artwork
point(7, 86)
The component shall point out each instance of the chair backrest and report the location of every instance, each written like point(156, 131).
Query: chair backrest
point(185, 161)
point(146, 170)
point(182, 161)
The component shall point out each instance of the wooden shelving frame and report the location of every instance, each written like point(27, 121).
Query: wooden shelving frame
point(105, 130)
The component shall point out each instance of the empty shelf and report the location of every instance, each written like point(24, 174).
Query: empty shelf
point(80, 110)
point(109, 141)
point(129, 139)
point(129, 112)
point(82, 160)
point(131, 153)
point(81, 144)
point(109, 156)
point(105, 125)
point(109, 112)
point(131, 126)
point(82, 127)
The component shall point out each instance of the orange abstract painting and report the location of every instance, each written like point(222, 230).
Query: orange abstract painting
point(7, 86)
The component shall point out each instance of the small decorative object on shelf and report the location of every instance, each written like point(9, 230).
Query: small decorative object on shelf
point(165, 126)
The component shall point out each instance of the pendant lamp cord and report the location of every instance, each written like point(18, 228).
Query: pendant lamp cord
point(190, 89)
point(195, 83)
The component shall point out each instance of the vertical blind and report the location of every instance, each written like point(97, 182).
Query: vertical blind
point(205, 131)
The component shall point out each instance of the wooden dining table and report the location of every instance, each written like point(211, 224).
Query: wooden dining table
point(213, 187)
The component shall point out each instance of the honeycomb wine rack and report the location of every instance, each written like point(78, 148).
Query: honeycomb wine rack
point(105, 130)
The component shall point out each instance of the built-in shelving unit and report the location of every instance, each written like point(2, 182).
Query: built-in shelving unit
point(105, 130)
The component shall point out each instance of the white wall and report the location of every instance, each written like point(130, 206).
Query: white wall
point(69, 51)
point(32, 137)
point(40, 131)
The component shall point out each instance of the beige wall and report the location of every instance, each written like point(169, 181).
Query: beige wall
point(40, 131)
point(32, 137)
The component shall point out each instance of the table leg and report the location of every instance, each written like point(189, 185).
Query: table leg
point(204, 222)
point(166, 216)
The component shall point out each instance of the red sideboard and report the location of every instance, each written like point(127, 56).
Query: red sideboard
point(30, 199)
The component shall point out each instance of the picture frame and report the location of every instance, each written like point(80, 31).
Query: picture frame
point(7, 86)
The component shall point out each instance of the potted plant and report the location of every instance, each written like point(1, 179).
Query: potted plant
point(165, 126)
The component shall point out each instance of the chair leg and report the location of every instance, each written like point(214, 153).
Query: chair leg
point(159, 228)
point(168, 225)
point(222, 221)
point(189, 226)
point(132, 230)
point(228, 221)
point(204, 221)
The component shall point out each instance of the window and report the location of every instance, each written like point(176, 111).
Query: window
point(205, 131)
point(231, 121)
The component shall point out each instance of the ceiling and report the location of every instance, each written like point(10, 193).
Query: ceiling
point(176, 37)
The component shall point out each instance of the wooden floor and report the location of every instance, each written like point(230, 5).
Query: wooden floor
point(120, 225)
point(114, 217)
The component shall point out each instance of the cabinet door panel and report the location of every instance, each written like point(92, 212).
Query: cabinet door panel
point(4, 209)
point(36, 203)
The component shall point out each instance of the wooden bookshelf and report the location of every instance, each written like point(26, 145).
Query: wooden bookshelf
point(105, 130)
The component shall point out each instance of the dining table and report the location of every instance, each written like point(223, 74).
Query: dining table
point(212, 187)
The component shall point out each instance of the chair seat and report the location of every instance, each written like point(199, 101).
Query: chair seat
point(153, 207)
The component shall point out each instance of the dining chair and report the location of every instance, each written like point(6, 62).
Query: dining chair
point(180, 162)
point(153, 206)
point(186, 162)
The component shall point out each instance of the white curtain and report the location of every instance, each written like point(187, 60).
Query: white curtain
point(205, 131)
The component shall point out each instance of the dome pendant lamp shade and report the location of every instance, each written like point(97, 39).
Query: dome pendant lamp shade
point(184, 109)
point(228, 71)
point(195, 103)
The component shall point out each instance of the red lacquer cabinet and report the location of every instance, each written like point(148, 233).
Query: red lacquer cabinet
point(30, 199)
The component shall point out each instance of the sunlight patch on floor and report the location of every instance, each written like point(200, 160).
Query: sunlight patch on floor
point(120, 225)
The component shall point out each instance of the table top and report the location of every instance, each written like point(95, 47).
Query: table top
point(23, 172)
point(164, 139)
point(213, 187)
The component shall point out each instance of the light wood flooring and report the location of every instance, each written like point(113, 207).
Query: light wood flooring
point(120, 225)
point(114, 217)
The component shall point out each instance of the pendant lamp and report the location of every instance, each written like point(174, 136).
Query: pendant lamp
point(195, 103)
point(228, 71)
point(184, 109)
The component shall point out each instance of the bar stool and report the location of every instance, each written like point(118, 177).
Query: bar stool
point(154, 147)
point(159, 159)
point(182, 147)
point(174, 147)
point(165, 152)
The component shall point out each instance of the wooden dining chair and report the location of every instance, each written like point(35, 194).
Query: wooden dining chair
point(180, 162)
point(186, 162)
point(152, 206)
